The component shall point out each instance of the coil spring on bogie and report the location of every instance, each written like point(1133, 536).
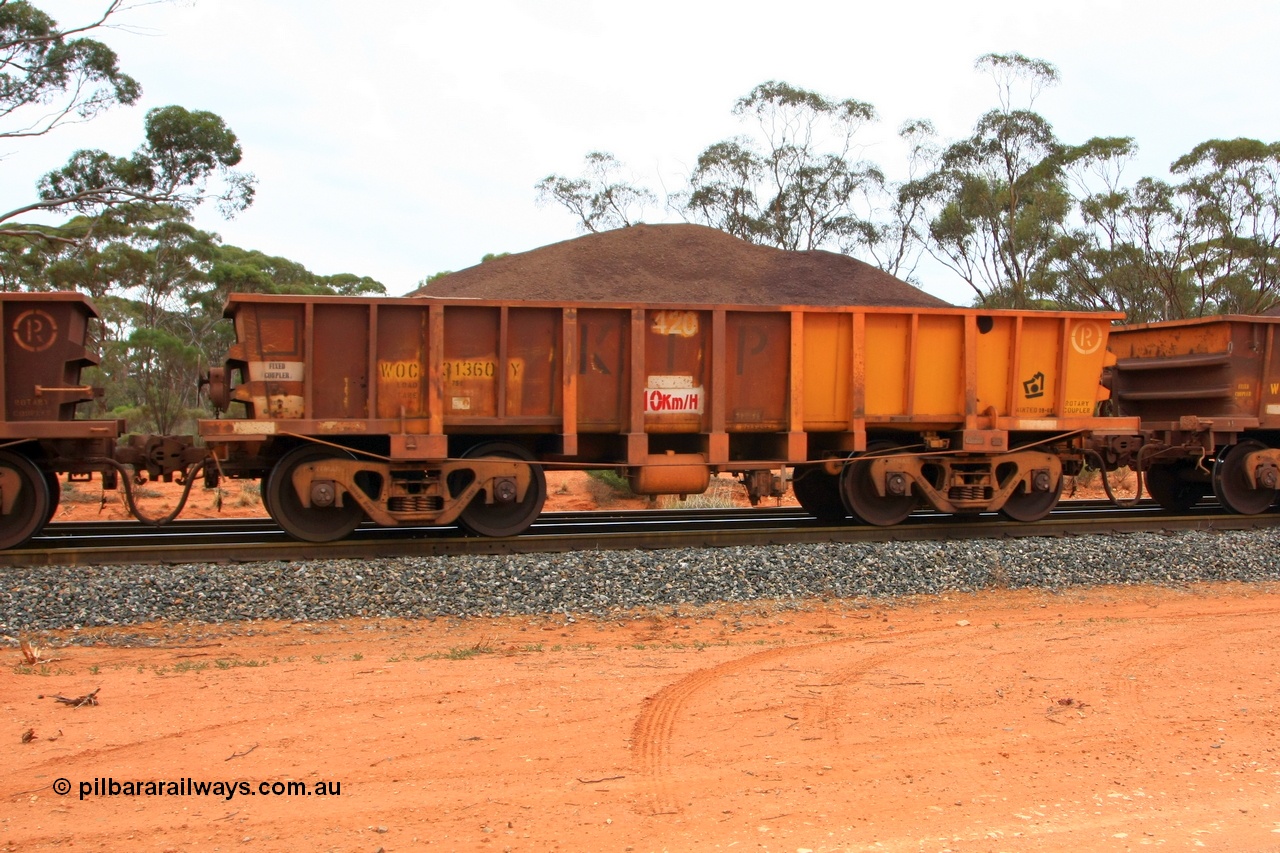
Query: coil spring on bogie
point(969, 493)
point(416, 503)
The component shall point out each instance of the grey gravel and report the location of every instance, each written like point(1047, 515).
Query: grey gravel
point(602, 583)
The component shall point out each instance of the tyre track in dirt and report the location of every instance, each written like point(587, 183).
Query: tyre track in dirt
point(920, 724)
point(825, 700)
point(654, 728)
point(1194, 636)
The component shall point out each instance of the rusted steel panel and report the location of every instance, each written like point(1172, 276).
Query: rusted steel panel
point(471, 369)
point(401, 368)
point(726, 376)
point(1219, 370)
point(759, 363)
point(716, 444)
point(270, 351)
point(339, 382)
point(532, 369)
point(675, 370)
point(104, 431)
point(797, 438)
point(45, 340)
point(603, 369)
point(1269, 388)
point(569, 381)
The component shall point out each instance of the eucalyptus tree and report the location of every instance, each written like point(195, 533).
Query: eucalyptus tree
point(1159, 251)
point(998, 194)
point(51, 75)
point(145, 267)
point(25, 259)
point(795, 184)
point(898, 229)
point(1231, 189)
point(124, 235)
point(600, 197)
point(160, 285)
point(1125, 247)
point(185, 160)
point(795, 181)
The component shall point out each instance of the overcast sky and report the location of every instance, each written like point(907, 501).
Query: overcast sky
point(397, 139)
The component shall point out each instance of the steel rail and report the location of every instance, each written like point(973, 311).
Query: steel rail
point(231, 540)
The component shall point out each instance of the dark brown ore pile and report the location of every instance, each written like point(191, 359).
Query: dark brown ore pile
point(678, 263)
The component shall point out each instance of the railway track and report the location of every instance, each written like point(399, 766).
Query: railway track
point(245, 540)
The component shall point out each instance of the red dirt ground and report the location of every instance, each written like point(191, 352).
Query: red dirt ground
point(1106, 719)
point(1101, 719)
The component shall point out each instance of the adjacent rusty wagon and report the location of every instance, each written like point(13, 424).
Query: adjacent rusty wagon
point(45, 337)
point(431, 411)
point(48, 341)
point(1207, 393)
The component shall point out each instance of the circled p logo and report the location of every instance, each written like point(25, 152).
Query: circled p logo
point(1086, 338)
point(35, 330)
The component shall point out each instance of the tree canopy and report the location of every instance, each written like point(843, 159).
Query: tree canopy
point(599, 198)
point(51, 75)
point(1023, 217)
point(126, 235)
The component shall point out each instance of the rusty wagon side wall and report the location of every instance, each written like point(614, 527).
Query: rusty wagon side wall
point(1217, 373)
point(619, 382)
point(337, 366)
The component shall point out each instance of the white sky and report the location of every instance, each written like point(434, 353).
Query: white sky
point(396, 139)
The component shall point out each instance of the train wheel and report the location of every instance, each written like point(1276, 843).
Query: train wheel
point(818, 493)
point(30, 507)
point(1031, 506)
point(55, 494)
point(313, 523)
point(1230, 485)
point(1167, 485)
point(864, 502)
point(505, 518)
